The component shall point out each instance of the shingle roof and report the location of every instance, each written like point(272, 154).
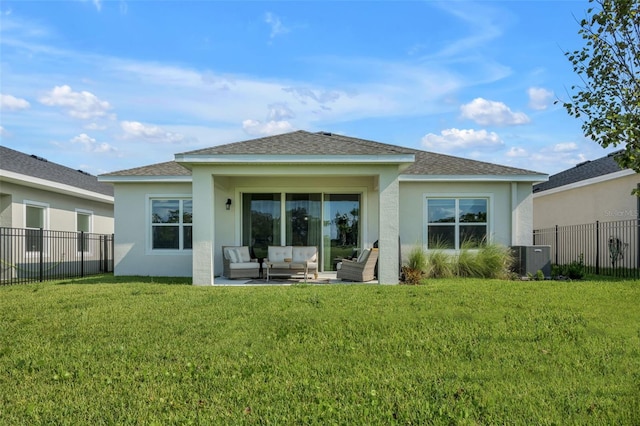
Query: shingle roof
point(432, 164)
point(586, 170)
point(305, 143)
point(169, 168)
point(37, 167)
point(323, 143)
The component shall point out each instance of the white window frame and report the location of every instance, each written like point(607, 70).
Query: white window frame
point(457, 197)
point(45, 222)
point(85, 213)
point(150, 198)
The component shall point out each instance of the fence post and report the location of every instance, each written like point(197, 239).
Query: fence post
point(82, 254)
point(597, 247)
point(557, 248)
point(105, 258)
point(41, 255)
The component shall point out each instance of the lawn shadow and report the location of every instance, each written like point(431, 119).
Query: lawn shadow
point(127, 279)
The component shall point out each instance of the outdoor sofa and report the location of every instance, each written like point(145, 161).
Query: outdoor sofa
point(291, 260)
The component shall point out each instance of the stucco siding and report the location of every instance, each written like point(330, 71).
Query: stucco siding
point(605, 201)
point(131, 253)
point(505, 205)
point(61, 209)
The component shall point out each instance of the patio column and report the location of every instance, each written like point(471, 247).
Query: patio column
point(389, 227)
point(203, 219)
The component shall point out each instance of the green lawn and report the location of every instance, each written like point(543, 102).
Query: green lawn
point(103, 351)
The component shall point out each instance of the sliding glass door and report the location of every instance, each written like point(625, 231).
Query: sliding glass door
point(261, 222)
point(341, 230)
point(330, 222)
point(303, 213)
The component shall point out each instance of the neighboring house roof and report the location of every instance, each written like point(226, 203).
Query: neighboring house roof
point(324, 144)
point(16, 163)
point(580, 172)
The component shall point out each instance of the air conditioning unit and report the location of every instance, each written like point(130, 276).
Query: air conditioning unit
point(528, 260)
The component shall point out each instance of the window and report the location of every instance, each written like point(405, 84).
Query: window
point(171, 224)
point(83, 224)
point(456, 222)
point(34, 222)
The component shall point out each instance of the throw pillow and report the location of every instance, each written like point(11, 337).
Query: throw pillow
point(363, 255)
point(233, 256)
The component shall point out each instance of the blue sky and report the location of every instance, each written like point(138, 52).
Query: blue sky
point(109, 85)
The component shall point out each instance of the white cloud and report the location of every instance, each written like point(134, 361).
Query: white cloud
point(98, 4)
point(450, 140)
point(485, 112)
point(517, 152)
point(11, 103)
point(276, 25)
point(84, 105)
point(320, 96)
point(539, 98)
point(137, 130)
point(95, 126)
point(259, 128)
point(279, 112)
point(3, 131)
point(91, 145)
point(565, 147)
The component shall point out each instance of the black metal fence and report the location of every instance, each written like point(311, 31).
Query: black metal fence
point(29, 255)
point(605, 248)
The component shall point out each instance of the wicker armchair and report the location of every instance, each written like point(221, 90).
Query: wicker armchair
point(359, 271)
point(243, 266)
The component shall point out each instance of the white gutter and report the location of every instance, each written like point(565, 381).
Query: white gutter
point(48, 185)
point(145, 179)
point(474, 178)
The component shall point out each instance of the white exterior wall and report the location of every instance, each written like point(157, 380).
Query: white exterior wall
point(509, 217)
point(61, 209)
point(604, 199)
point(132, 227)
point(230, 181)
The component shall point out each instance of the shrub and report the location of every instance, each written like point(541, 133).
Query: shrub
point(488, 260)
point(574, 270)
point(439, 264)
point(416, 265)
point(496, 261)
point(466, 264)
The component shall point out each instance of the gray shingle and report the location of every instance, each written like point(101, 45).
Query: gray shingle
point(37, 167)
point(432, 164)
point(169, 168)
point(305, 143)
point(322, 143)
point(586, 170)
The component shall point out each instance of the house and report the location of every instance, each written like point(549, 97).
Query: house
point(319, 189)
point(36, 193)
point(597, 190)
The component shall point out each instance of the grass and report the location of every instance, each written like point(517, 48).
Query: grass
point(102, 351)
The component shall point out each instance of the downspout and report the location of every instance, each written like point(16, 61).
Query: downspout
point(514, 213)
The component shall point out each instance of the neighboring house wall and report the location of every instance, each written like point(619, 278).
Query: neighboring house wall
point(60, 209)
point(605, 198)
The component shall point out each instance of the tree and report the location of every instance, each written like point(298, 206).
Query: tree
point(608, 64)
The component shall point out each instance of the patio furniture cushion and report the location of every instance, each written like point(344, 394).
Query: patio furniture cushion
point(277, 254)
point(237, 254)
point(304, 254)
